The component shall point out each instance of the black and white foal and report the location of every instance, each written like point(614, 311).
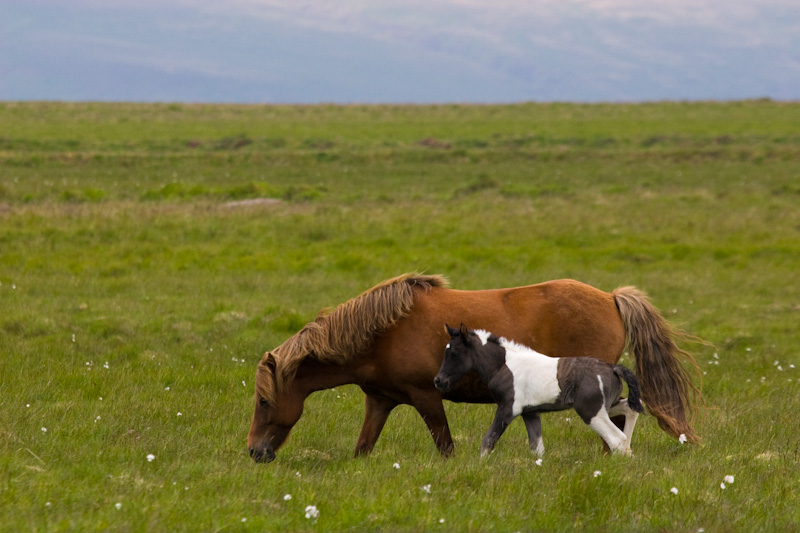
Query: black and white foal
point(525, 382)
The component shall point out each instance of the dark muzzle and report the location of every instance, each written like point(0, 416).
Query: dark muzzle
point(263, 454)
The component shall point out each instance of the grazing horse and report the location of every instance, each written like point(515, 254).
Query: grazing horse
point(525, 382)
point(389, 341)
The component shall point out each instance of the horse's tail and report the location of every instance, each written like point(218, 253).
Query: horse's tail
point(634, 394)
point(666, 386)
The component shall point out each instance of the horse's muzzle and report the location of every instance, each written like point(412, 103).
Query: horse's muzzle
point(262, 455)
point(441, 384)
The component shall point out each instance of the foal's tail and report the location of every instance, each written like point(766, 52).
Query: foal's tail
point(634, 396)
point(666, 386)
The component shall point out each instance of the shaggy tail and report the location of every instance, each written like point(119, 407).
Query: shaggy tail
point(634, 396)
point(666, 387)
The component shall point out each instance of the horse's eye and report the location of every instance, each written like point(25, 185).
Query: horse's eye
point(263, 402)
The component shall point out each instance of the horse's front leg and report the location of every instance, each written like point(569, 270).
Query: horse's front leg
point(502, 419)
point(533, 425)
point(376, 412)
point(429, 405)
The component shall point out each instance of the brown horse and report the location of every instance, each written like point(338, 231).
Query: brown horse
point(390, 341)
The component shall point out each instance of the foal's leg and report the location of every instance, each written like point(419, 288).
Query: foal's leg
point(590, 406)
point(375, 414)
point(533, 424)
point(614, 437)
point(622, 408)
point(502, 419)
point(429, 406)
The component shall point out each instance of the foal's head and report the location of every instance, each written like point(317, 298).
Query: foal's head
point(460, 357)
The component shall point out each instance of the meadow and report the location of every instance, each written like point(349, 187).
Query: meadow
point(150, 254)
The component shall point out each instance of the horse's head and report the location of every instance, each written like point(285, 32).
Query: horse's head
point(459, 357)
point(278, 408)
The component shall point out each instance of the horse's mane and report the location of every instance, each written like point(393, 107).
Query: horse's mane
point(340, 335)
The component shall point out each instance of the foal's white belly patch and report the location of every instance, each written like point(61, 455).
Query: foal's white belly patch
point(535, 378)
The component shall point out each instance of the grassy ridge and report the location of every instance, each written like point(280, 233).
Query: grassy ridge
point(130, 274)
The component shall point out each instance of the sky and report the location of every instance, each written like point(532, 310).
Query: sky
point(399, 51)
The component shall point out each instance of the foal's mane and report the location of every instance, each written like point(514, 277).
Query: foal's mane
point(342, 334)
point(503, 342)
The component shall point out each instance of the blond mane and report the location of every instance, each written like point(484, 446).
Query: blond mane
point(339, 336)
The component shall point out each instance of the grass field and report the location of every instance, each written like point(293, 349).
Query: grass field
point(138, 291)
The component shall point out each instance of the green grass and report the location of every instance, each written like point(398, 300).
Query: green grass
point(121, 242)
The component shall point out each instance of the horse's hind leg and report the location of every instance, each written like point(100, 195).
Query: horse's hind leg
point(533, 424)
point(375, 414)
point(622, 408)
point(430, 408)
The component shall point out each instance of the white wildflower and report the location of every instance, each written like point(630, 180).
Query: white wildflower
point(538, 462)
point(722, 485)
point(312, 512)
point(441, 520)
point(674, 490)
point(682, 438)
point(287, 497)
point(179, 414)
point(728, 479)
point(44, 429)
point(118, 505)
point(596, 473)
point(244, 520)
point(396, 466)
point(150, 457)
point(426, 488)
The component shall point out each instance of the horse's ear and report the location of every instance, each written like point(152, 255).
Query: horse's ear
point(463, 330)
point(269, 361)
point(450, 331)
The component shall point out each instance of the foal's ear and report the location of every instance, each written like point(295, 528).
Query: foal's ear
point(450, 331)
point(463, 330)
